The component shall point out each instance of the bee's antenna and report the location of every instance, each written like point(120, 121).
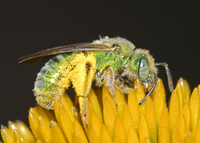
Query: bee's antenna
point(169, 76)
point(154, 84)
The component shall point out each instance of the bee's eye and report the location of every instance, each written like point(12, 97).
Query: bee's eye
point(143, 69)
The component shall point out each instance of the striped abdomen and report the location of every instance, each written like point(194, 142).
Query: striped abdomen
point(57, 74)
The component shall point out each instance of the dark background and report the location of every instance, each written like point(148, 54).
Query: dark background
point(169, 30)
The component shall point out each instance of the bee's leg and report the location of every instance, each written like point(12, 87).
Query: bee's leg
point(81, 76)
point(83, 103)
point(123, 84)
point(109, 79)
point(125, 81)
point(99, 81)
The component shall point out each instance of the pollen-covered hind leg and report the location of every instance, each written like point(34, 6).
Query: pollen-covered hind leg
point(107, 78)
point(83, 103)
point(82, 76)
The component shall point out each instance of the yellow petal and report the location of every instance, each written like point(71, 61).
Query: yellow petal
point(164, 120)
point(189, 138)
point(143, 129)
point(109, 115)
point(176, 138)
point(69, 101)
point(95, 122)
point(12, 126)
point(104, 135)
point(117, 140)
point(151, 119)
point(44, 129)
point(180, 93)
point(79, 135)
point(146, 140)
point(92, 136)
point(194, 107)
point(174, 111)
point(185, 89)
point(67, 104)
point(132, 136)
point(127, 118)
point(139, 92)
point(120, 100)
point(39, 141)
point(56, 133)
point(164, 135)
point(42, 113)
point(7, 135)
point(33, 121)
point(63, 119)
point(119, 129)
point(134, 108)
point(181, 126)
point(198, 88)
point(40, 123)
point(187, 116)
point(106, 94)
point(19, 138)
point(94, 100)
point(50, 114)
point(158, 97)
point(75, 113)
point(25, 131)
point(197, 133)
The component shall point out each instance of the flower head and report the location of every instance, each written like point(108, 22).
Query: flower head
point(152, 122)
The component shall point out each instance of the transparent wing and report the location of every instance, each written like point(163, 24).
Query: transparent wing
point(44, 54)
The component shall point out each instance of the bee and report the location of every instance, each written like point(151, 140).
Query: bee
point(111, 61)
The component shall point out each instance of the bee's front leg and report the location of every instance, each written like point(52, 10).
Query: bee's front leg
point(125, 81)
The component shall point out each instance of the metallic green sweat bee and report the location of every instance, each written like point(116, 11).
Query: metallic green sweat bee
point(111, 61)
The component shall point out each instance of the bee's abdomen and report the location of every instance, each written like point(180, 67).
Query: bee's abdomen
point(49, 81)
point(55, 77)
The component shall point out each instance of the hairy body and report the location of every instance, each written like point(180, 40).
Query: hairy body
point(111, 61)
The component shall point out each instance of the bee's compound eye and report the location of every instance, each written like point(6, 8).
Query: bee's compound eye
point(143, 69)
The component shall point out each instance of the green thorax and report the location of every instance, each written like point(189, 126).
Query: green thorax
point(116, 58)
point(104, 59)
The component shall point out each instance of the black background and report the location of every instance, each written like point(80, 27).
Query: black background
point(169, 30)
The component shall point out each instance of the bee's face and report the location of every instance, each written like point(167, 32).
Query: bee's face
point(142, 66)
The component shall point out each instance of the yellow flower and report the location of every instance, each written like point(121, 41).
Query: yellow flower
point(152, 122)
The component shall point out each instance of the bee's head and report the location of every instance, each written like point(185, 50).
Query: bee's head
point(142, 66)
